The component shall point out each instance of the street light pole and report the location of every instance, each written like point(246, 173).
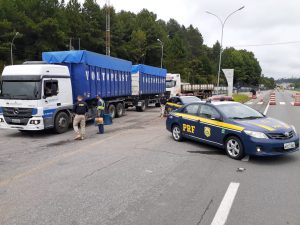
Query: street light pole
point(162, 52)
point(11, 48)
point(222, 34)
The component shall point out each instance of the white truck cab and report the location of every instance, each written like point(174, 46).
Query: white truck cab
point(35, 97)
point(173, 84)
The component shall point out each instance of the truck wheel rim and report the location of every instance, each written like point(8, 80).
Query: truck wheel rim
point(233, 148)
point(62, 122)
point(176, 133)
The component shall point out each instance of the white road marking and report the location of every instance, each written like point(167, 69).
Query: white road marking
point(282, 103)
point(225, 206)
point(260, 103)
point(249, 103)
point(267, 108)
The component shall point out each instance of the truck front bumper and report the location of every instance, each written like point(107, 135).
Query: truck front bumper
point(30, 126)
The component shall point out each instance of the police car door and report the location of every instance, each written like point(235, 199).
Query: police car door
point(210, 128)
point(189, 121)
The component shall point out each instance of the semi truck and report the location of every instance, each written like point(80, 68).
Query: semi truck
point(40, 95)
point(174, 86)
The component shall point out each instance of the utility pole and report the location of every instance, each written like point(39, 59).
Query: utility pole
point(162, 52)
point(223, 22)
point(70, 44)
point(107, 38)
point(11, 48)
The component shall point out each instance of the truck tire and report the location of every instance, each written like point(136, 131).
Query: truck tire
point(112, 110)
point(61, 122)
point(157, 104)
point(120, 110)
point(141, 108)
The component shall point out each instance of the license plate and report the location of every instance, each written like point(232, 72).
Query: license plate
point(15, 120)
point(289, 145)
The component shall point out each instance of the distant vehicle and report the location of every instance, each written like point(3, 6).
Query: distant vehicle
point(174, 86)
point(40, 95)
point(178, 101)
point(237, 128)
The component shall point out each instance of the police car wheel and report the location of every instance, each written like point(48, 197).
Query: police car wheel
point(234, 148)
point(176, 133)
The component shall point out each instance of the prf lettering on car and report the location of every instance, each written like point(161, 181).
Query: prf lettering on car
point(188, 128)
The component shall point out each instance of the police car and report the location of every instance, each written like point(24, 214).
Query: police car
point(178, 101)
point(237, 128)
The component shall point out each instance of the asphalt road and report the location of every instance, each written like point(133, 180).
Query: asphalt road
point(136, 174)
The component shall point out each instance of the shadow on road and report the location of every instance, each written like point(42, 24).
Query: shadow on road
point(205, 149)
point(274, 160)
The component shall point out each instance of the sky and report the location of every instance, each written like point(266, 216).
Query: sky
point(260, 22)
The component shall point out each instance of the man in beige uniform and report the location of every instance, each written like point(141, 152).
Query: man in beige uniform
point(80, 110)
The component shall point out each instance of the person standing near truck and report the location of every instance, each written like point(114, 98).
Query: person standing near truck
point(80, 109)
point(163, 102)
point(100, 114)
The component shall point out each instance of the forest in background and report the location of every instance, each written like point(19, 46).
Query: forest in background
point(48, 25)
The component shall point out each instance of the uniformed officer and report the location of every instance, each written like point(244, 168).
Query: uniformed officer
point(100, 113)
point(80, 109)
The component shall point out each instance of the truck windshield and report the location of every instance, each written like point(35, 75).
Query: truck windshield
point(170, 83)
point(23, 90)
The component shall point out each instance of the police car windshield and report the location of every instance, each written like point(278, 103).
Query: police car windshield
point(239, 111)
point(189, 99)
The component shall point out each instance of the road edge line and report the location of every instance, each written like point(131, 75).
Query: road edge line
point(226, 204)
point(266, 109)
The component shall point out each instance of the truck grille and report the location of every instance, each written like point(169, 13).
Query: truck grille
point(19, 116)
point(281, 136)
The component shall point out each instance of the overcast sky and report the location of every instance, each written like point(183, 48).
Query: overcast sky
point(260, 22)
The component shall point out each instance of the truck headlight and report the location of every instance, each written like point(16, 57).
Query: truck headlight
point(294, 128)
point(256, 134)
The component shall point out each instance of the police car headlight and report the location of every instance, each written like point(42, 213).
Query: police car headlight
point(256, 134)
point(294, 128)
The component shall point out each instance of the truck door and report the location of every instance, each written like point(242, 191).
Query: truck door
point(190, 125)
point(210, 125)
point(51, 100)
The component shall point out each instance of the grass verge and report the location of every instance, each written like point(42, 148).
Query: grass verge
point(242, 98)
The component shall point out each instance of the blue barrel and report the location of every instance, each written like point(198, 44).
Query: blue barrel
point(107, 119)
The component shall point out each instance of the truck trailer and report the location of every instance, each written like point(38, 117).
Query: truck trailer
point(176, 87)
point(40, 95)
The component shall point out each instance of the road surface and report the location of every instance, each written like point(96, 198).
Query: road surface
point(135, 174)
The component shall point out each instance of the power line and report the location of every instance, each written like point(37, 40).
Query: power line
point(268, 44)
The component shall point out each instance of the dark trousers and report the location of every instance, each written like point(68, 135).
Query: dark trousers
point(101, 128)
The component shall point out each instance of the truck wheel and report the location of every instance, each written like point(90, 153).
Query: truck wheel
point(157, 105)
point(112, 110)
point(61, 122)
point(141, 108)
point(234, 148)
point(120, 110)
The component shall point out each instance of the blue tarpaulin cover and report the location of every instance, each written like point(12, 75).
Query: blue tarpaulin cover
point(149, 70)
point(89, 58)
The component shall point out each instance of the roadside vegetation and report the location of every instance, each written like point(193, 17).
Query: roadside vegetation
point(242, 98)
point(51, 25)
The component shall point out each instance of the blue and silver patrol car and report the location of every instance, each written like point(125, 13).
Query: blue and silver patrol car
point(178, 101)
point(237, 128)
